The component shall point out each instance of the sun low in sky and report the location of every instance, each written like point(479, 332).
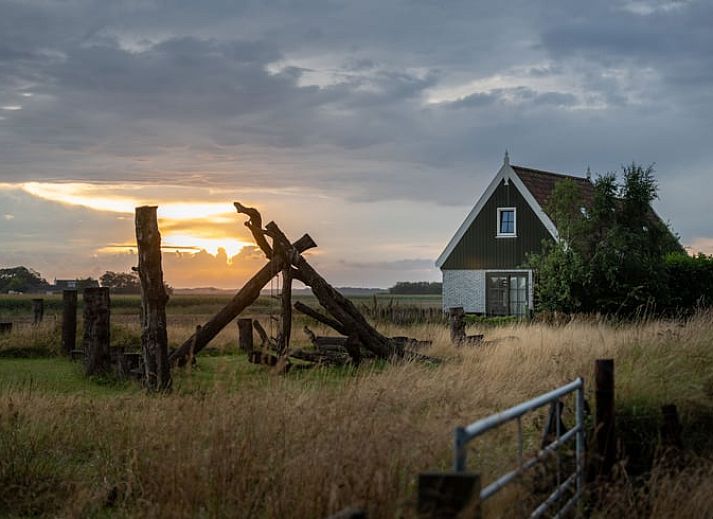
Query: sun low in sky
point(373, 126)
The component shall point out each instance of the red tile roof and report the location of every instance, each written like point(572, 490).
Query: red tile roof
point(542, 183)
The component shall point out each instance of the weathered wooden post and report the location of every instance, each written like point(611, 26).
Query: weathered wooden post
point(286, 311)
point(69, 320)
point(154, 339)
point(5, 327)
point(38, 310)
point(444, 495)
point(671, 428)
point(97, 359)
point(605, 448)
point(245, 335)
point(457, 318)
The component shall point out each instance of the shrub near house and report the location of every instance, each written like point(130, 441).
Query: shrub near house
point(615, 255)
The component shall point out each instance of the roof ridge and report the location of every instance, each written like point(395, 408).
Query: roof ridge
point(550, 173)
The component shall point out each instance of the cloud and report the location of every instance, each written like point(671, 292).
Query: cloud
point(331, 111)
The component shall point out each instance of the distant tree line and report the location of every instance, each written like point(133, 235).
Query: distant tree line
point(416, 287)
point(27, 280)
point(21, 279)
point(614, 255)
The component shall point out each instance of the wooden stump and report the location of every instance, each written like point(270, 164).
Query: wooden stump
point(245, 335)
point(154, 339)
point(69, 320)
point(457, 319)
point(38, 310)
point(605, 449)
point(97, 360)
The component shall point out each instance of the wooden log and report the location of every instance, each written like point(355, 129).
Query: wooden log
point(605, 450)
point(283, 339)
point(245, 335)
point(154, 339)
point(246, 296)
point(264, 338)
point(5, 327)
point(335, 303)
point(317, 316)
point(69, 320)
point(255, 225)
point(38, 311)
point(97, 359)
point(457, 320)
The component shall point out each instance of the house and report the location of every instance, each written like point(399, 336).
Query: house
point(482, 263)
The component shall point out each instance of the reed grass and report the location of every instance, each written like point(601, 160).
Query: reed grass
point(255, 444)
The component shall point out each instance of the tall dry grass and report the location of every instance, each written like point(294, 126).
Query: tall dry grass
point(309, 444)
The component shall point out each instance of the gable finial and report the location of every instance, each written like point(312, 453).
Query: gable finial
point(506, 159)
point(589, 173)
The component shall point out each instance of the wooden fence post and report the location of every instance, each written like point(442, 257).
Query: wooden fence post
point(671, 428)
point(38, 310)
point(457, 318)
point(5, 327)
point(245, 335)
point(444, 495)
point(605, 448)
point(69, 320)
point(154, 338)
point(97, 359)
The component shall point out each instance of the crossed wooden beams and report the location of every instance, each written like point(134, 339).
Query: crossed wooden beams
point(285, 257)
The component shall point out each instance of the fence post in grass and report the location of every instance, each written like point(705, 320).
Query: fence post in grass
point(605, 449)
point(245, 335)
point(154, 338)
point(449, 494)
point(38, 310)
point(671, 444)
point(97, 357)
point(457, 318)
point(69, 320)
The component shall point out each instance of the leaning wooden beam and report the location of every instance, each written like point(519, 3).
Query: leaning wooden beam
point(283, 340)
point(246, 296)
point(255, 226)
point(314, 314)
point(154, 339)
point(335, 303)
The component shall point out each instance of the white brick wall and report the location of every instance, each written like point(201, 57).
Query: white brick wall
point(466, 288)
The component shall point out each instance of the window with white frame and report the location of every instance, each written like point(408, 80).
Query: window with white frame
point(507, 221)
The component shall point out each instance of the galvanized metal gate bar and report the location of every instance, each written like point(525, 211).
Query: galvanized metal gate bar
point(463, 435)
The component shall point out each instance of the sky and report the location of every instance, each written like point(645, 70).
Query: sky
point(373, 126)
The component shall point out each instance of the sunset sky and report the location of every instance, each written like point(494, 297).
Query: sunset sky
point(372, 125)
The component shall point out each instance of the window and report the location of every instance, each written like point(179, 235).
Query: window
point(507, 294)
point(507, 225)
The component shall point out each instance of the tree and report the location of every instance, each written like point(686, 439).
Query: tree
point(21, 279)
point(416, 287)
point(121, 282)
point(610, 256)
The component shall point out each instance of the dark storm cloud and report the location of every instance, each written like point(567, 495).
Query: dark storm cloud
point(367, 100)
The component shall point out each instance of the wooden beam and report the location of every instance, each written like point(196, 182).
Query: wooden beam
point(335, 303)
point(154, 338)
point(246, 296)
point(69, 321)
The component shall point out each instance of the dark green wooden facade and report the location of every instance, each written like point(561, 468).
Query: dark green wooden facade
point(479, 248)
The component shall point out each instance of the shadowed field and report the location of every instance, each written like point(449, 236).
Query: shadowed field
point(236, 440)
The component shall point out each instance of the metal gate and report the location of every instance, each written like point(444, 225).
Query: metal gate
point(463, 435)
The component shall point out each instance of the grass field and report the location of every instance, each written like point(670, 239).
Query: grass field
point(236, 440)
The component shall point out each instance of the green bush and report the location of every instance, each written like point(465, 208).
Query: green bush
point(689, 282)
